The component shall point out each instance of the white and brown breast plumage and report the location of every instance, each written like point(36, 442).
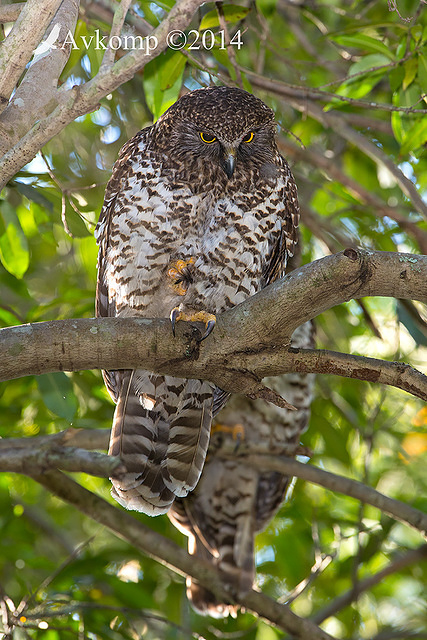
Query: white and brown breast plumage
point(201, 212)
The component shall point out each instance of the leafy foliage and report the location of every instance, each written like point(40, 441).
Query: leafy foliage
point(367, 64)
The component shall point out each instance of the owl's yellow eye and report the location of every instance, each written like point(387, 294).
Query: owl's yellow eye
point(248, 137)
point(207, 137)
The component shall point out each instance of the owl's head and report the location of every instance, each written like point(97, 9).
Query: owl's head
point(225, 130)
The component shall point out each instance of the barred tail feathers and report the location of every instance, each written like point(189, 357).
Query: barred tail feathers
point(146, 410)
point(189, 437)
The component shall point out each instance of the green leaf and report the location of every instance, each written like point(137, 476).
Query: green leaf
point(157, 74)
point(411, 68)
point(34, 195)
point(57, 392)
point(14, 253)
point(422, 71)
point(172, 70)
point(396, 76)
point(408, 321)
point(400, 122)
point(266, 7)
point(367, 43)
point(232, 13)
point(361, 85)
point(415, 137)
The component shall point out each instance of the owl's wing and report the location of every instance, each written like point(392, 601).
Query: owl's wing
point(275, 263)
point(104, 302)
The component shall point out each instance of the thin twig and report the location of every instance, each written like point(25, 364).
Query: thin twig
point(230, 49)
point(116, 29)
point(414, 556)
point(394, 508)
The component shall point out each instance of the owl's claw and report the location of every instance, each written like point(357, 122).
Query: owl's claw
point(197, 316)
point(174, 316)
point(209, 328)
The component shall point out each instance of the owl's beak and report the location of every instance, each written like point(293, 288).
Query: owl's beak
point(230, 161)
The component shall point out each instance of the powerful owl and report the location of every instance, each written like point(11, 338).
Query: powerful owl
point(200, 213)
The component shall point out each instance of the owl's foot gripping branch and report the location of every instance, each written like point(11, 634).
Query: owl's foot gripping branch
point(209, 319)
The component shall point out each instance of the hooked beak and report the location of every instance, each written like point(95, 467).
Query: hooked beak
point(230, 161)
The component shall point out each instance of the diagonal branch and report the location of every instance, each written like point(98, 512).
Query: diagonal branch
point(28, 105)
point(394, 508)
point(18, 47)
point(118, 21)
point(173, 556)
point(396, 374)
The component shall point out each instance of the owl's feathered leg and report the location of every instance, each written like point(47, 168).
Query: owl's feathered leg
point(215, 519)
point(161, 430)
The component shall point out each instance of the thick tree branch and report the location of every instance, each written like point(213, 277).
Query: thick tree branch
point(396, 374)
point(88, 439)
point(173, 556)
point(10, 12)
point(28, 105)
point(250, 341)
point(34, 460)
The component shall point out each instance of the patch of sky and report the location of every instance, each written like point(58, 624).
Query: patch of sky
point(350, 225)
point(102, 117)
point(85, 62)
point(266, 554)
point(75, 164)
point(71, 81)
point(408, 171)
point(37, 165)
point(110, 134)
point(100, 161)
point(158, 11)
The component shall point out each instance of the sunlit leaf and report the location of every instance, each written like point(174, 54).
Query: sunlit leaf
point(14, 253)
point(364, 42)
point(416, 136)
point(411, 68)
point(232, 13)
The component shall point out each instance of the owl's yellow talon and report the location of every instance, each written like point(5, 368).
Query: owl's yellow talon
point(196, 316)
point(237, 431)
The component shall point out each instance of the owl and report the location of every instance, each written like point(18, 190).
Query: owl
point(200, 213)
